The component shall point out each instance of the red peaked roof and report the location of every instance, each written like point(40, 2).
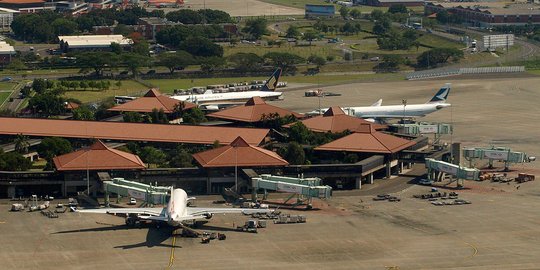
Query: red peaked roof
point(335, 120)
point(252, 111)
point(239, 153)
point(98, 157)
point(366, 139)
point(153, 99)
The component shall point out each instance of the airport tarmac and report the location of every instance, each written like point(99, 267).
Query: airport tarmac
point(499, 230)
point(485, 111)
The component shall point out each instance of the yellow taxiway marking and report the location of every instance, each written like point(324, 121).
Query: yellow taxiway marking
point(474, 248)
point(171, 257)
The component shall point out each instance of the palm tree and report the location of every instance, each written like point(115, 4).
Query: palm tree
point(22, 144)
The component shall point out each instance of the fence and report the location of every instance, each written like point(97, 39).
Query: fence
point(427, 74)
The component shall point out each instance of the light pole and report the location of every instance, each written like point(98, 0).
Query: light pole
point(236, 169)
point(404, 102)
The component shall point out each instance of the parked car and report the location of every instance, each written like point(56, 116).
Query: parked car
point(132, 201)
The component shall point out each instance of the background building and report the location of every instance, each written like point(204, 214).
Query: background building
point(387, 3)
point(488, 14)
point(92, 42)
point(320, 10)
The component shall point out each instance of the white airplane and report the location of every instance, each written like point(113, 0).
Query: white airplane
point(377, 111)
point(215, 101)
point(174, 214)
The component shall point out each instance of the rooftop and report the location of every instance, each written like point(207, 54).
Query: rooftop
point(128, 131)
point(252, 111)
point(94, 40)
point(21, 1)
point(98, 157)
point(495, 8)
point(239, 153)
point(335, 120)
point(6, 48)
point(153, 99)
point(366, 139)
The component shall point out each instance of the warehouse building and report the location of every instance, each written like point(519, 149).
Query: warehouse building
point(320, 11)
point(6, 53)
point(92, 42)
point(388, 3)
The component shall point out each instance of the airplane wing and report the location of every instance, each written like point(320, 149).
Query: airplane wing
point(377, 104)
point(201, 211)
point(392, 116)
point(155, 212)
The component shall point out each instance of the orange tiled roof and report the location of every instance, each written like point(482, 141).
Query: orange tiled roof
point(71, 105)
point(335, 120)
point(21, 1)
point(252, 111)
point(366, 139)
point(239, 153)
point(128, 131)
point(98, 157)
point(153, 99)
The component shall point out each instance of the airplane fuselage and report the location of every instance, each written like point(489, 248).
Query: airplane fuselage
point(229, 96)
point(396, 111)
point(177, 206)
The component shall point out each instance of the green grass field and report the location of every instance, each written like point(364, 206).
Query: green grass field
point(4, 96)
point(168, 85)
point(303, 51)
point(129, 87)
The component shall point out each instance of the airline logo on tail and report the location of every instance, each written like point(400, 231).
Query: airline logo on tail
point(272, 82)
point(442, 95)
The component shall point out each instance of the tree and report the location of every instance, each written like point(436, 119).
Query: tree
point(300, 133)
point(382, 26)
point(185, 16)
point(14, 161)
point(174, 61)
point(376, 14)
point(141, 47)
point(213, 16)
point(344, 12)
point(51, 147)
point(39, 85)
point(158, 116)
point(246, 61)
point(201, 46)
point(286, 61)
point(295, 154)
point(397, 8)
point(355, 13)
point(153, 156)
point(292, 31)
point(122, 29)
point(118, 84)
point(116, 48)
point(209, 64)
point(256, 27)
point(16, 65)
point(310, 36)
point(438, 56)
point(47, 104)
point(317, 60)
point(135, 61)
point(83, 113)
point(389, 63)
point(22, 144)
point(96, 61)
point(64, 27)
point(193, 116)
point(180, 158)
point(132, 117)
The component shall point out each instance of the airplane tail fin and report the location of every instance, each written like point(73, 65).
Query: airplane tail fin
point(377, 104)
point(272, 82)
point(441, 95)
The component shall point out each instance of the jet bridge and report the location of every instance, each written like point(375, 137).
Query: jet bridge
point(149, 194)
point(503, 154)
point(437, 168)
point(302, 187)
point(422, 128)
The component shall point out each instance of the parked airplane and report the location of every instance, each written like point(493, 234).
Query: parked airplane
point(174, 214)
point(215, 101)
point(377, 111)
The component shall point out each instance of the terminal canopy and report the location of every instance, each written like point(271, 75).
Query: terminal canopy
point(153, 99)
point(253, 111)
point(335, 120)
